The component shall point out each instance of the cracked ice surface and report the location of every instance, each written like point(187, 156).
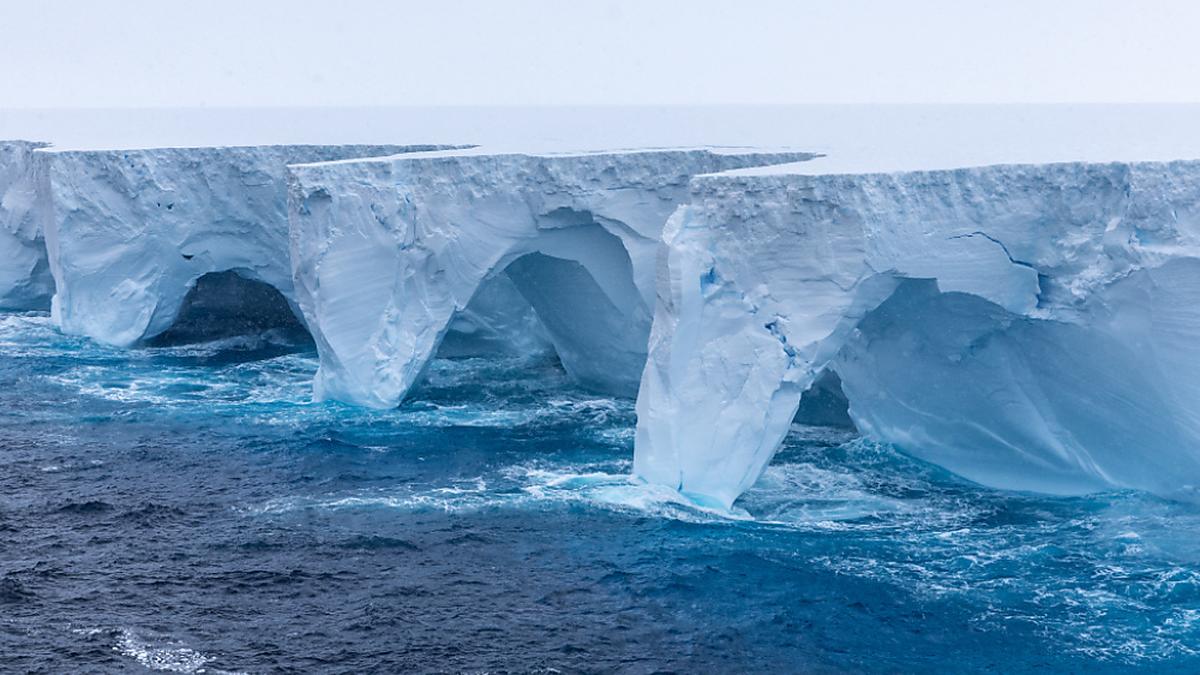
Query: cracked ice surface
point(387, 253)
point(1028, 327)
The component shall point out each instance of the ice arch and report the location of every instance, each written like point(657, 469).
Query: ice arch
point(388, 251)
point(128, 232)
point(580, 283)
point(1026, 326)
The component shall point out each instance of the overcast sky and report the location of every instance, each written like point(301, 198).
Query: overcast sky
point(83, 53)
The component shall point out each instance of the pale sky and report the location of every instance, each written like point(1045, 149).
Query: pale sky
point(137, 53)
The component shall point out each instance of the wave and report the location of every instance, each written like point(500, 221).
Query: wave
point(799, 495)
point(157, 652)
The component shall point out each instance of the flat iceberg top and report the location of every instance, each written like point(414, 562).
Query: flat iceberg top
point(789, 155)
point(22, 143)
point(492, 172)
point(821, 168)
point(860, 138)
point(835, 165)
point(220, 151)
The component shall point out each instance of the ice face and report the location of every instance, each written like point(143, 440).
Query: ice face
point(25, 281)
point(388, 252)
point(1006, 322)
point(129, 232)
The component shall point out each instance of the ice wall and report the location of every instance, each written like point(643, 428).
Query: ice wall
point(388, 252)
point(130, 231)
point(1028, 327)
point(25, 281)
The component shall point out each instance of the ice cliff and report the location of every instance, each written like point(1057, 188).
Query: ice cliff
point(25, 281)
point(388, 252)
point(1027, 327)
point(129, 232)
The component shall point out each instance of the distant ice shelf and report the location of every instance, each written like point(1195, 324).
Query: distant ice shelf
point(1027, 327)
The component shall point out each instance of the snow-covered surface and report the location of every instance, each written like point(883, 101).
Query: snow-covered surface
point(388, 251)
point(1028, 327)
point(130, 231)
point(25, 281)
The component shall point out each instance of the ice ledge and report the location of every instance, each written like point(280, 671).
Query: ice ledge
point(1027, 326)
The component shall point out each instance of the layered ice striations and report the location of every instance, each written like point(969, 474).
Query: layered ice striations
point(390, 252)
point(129, 232)
point(1027, 327)
point(25, 280)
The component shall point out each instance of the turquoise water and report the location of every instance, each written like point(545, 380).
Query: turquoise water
point(188, 509)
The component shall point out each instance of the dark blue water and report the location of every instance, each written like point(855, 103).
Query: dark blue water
point(186, 509)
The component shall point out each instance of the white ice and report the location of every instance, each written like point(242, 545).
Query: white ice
point(388, 251)
point(129, 232)
point(1028, 327)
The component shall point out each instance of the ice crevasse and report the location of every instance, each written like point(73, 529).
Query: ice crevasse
point(387, 252)
point(1025, 326)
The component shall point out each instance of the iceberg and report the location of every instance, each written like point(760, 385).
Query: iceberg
point(25, 280)
point(1026, 326)
point(1030, 327)
point(388, 252)
point(129, 232)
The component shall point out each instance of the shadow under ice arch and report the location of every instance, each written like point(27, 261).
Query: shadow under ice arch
point(580, 284)
point(388, 251)
point(228, 304)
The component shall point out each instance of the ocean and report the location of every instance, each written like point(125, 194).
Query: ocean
point(187, 508)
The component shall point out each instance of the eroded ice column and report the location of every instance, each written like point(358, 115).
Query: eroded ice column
point(25, 281)
point(998, 321)
point(130, 231)
point(754, 294)
point(388, 252)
